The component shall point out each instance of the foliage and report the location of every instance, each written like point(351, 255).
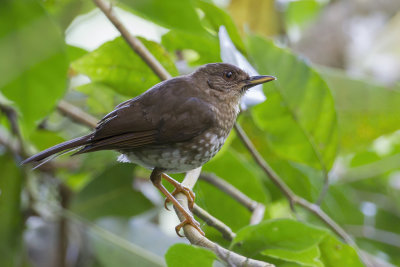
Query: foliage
point(314, 120)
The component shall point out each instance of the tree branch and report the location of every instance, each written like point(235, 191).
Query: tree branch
point(76, 114)
point(210, 220)
point(292, 197)
point(257, 209)
point(232, 258)
point(133, 42)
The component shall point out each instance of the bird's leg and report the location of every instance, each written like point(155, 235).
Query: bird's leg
point(155, 177)
point(179, 188)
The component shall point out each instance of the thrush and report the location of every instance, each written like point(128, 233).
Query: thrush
point(176, 126)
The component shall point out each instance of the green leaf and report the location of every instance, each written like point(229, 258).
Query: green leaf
point(117, 66)
point(360, 122)
point(282, 234)
point(172, 14)
point(215, 17)
point(300, 13)
point(206, 45)
point(299, 114)
point(110, 194)
point(220, 204)
point(306, 257)
point(100, 98)
point(182, 255)
point(33, 62)
point(43, 139)
point(11, 221)
point(335, 253)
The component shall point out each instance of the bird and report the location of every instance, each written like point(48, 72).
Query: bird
point(176, 126)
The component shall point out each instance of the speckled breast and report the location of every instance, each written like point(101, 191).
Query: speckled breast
point(179, 157)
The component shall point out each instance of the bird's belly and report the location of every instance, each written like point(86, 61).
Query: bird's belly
point(178, 157)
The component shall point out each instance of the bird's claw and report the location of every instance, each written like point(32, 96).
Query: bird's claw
point(189, 220)
point(179, 188)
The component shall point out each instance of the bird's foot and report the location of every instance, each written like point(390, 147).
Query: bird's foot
point(179, 188)
point(188, 220)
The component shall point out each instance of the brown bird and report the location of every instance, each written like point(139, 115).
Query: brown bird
point(176, 126)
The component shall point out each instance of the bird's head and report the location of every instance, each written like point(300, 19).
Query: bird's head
point(226, 81)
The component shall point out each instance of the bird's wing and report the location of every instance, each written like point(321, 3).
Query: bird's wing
point(158, 117)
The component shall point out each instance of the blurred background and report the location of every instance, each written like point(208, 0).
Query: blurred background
point(329, 127)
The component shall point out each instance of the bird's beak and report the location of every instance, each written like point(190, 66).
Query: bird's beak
point(256, 80)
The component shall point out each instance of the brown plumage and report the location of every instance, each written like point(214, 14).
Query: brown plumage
point(175, 126)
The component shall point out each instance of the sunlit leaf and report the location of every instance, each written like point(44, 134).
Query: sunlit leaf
point(117, 66)
point(182, 255)
point(173, 14)
point(206, 45)
point(365, 110)
point(306, 257)
point(299, 114)
point(281, 234)
point(335, 253)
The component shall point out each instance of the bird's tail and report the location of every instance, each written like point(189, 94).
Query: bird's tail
point(68, 145)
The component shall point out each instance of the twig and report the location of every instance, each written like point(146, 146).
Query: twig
point(210, 220)
point(292, 197)
point(77, 114)
point(133, 42)
point(266, 168)
point(230, 190)
point(256, 208)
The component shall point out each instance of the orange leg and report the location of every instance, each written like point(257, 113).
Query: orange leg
point(155, 177)
point(179, 188)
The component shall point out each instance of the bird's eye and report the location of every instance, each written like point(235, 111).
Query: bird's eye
point(228, 75)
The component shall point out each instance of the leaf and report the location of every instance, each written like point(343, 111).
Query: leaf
point(306, 257)
point(282, 234)
point(241, 174)
point(11, 221)
point(172, 14)
point(43, 139)
point(215, 17)
point(100, 98)
point(33, 70)
point(206, 45)
point(335, 253)
point(300, 13)
point(110, 194)
point(299, 114)
point(360, 122)
point(117, 66)
point(182, 255)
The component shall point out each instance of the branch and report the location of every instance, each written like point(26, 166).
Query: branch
point(210, 220)
point(256, 208)
point(232, 258)
point(292, 197)
point(76, 114)
point(133, 42)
